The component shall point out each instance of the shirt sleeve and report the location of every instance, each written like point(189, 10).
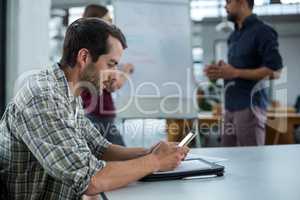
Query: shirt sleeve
point(47, 129)
point(96, 142)
point(268, 48)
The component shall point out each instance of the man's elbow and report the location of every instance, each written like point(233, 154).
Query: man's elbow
point(96, 186)
point(99, 183)
point(92, 188)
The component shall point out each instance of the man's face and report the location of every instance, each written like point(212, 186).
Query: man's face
point(232, 8)
point(102, 73)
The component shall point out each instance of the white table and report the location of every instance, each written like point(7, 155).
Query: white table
point(254, 173)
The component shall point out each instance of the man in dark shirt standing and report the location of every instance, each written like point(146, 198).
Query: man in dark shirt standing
point(253, 57)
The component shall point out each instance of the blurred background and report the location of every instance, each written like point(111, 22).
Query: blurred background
point(32, 34)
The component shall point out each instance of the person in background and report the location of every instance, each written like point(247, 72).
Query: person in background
point(297, 132)
point(297, 105)
point(96, 10)
point(100, 109)
point(253, 56)
point(49, 149)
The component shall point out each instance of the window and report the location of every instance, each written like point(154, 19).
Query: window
point(75, 13)
point(57, 29)
point(215, 8)
point(290, 1)
point(197, 53)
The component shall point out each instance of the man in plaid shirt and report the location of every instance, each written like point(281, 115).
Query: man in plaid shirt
point(48, 149)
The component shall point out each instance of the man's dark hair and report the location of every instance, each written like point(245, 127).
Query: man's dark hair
point(250, 4)
point(92, 34)
point(94, 10)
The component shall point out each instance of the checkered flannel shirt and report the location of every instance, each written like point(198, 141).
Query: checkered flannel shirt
point(48, 148)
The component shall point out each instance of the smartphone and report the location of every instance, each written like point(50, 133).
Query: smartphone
point(188, 138)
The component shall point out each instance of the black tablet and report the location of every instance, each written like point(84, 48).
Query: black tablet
point(187, 168)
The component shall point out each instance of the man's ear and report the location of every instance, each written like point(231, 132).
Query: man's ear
point(83, 57)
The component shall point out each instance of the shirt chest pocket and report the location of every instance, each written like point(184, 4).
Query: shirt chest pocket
point(245, 48)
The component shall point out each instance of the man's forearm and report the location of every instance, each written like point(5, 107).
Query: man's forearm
point(119, 174)
point(118, 153)
point(257, 74)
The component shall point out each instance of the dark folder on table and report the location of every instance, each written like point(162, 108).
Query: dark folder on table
point(188, 168)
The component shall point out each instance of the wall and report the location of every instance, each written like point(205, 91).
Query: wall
point(288, 28)
point(27, 39)
point(76, 3)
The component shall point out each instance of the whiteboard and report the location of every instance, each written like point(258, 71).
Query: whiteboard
point(158, 34)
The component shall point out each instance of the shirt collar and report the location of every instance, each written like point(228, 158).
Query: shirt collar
point(62, 81)
point(248, 21)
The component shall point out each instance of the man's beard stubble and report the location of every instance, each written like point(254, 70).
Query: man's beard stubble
point(91, 75)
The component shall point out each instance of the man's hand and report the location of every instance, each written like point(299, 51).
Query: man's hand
point(123, 75)
point(210, 70)
point(221, 70)
point(150, 150)
point(109, 81)
point(169, 155)
point(127, 68)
